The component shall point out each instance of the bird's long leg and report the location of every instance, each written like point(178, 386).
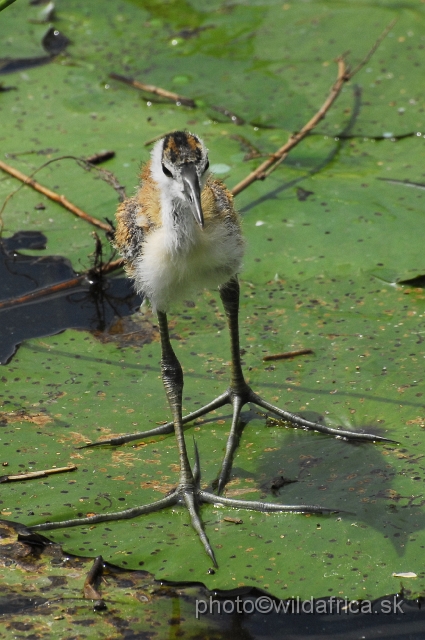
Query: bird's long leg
point(172, 377)
point(240, 393)
point(187, 489)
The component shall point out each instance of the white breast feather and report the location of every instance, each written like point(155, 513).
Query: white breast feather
point(180, 259)
point(166, 276)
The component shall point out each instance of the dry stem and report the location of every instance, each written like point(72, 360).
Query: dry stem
point(31, 475)
point(51, 289)
point(344, 75)
point(54, 196)
point(287, 354)
point(150, 88)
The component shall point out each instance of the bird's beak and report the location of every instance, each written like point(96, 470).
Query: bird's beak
point(192, 191)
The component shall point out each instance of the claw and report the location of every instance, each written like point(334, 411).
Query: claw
point(196, 466)
point(239, 393)
point(192, 507)
point(231, 446)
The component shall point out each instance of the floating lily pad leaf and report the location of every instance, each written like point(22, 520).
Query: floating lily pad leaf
point(415, 281)
point(391, 276)
point(268, 49)
point(365, 374)
point(42, 595)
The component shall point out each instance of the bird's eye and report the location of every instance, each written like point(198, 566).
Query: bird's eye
point(207, 165)
point(166, 171)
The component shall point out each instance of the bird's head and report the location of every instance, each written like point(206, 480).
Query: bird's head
point(180, 163)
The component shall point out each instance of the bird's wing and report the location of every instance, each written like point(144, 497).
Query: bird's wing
point(217, 204)
point(131, 229)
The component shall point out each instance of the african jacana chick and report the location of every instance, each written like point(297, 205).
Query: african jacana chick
point(178, 234)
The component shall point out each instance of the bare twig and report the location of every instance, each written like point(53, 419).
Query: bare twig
point(251, 151)
point(374, 48)
point(60, 199)
point(344, 75)
point(150, 88)
point(229, 114)
point(102, 156)
point(37, 294)
point(404, 183)
point(234, 520)
point(37, 474)
point(111, 266)
point(287, 354)
point(276, 158)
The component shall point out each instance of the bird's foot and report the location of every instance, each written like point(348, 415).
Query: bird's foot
point(238, 398)
point(192, 496)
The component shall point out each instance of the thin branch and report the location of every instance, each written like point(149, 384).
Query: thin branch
point(110, 178)
point(344, 75)
point(287, 354)
point(111, 266)
point(31, 475)
point(60, 199)
point(404, 183)
point(150, 88)
point(276, 158)
point(229, 114)
point(102, 156)
point(58, 288)
point(51, 289)
point(156, 138)
point(374, 47)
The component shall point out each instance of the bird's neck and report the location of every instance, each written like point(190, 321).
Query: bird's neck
point(179, 224)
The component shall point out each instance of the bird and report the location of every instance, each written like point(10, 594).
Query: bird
point(178, 234)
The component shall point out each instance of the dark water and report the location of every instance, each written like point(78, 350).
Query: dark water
point(88, 305)
point(388, 618)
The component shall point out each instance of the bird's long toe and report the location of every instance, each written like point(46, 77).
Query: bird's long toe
point(298, 421)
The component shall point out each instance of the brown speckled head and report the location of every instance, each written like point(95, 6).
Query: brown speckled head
point(182, 147)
